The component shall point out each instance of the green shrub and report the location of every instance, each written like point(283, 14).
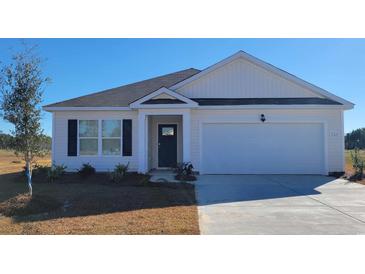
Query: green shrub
point(357, 164)
point(119, 173)
point(86, 170)
point(185, 172)
point(55, 172)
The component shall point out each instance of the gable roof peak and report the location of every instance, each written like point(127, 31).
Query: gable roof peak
point(163, 90)
point(269, 67)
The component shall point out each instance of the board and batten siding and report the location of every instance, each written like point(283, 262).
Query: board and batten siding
point(243, 79)
point(101, 163)
point(331, 119)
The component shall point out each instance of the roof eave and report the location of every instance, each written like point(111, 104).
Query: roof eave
point(53, 109)
point(320, 107)
point(338, 107)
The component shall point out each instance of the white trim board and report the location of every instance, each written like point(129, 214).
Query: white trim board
point(51, 109)
point(171, 106)
point(188, 103)
point(295, 107)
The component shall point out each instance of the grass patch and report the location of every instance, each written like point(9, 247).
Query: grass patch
point(348, 164)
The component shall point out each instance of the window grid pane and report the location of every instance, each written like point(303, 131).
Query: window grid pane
point(111, 146)
point(111, 128)
point(89, 146)
point(88, 128)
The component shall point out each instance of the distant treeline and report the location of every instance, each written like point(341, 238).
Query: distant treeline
point(7, 141)
point(355, 139)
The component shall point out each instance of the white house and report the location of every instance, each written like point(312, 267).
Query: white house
point(239, 116)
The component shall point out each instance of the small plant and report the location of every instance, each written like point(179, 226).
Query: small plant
point(358, 165)
point(119, 173)
point(184, 172)
point(55, 172)
point(86, 170)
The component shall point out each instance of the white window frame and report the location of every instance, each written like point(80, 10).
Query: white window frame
point(101, 138)
point(79, 138)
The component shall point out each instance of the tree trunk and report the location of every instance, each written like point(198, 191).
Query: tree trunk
point(29, 176)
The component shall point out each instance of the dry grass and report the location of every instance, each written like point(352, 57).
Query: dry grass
point(348, 165)
point(9, 163)
point(93, 206)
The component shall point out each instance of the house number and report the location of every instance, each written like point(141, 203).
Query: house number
point(333, 133)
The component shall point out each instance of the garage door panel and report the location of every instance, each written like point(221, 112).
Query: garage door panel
point(236, 148)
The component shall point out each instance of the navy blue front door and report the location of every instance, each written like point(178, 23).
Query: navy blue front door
point(167, 145)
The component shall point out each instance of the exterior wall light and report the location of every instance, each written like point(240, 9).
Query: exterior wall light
point(263, 119)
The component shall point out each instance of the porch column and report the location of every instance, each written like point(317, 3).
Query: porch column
point(186, 136)
point(142, 142)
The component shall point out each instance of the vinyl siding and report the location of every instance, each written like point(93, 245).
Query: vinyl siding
point(243, 79)
point(101, 163)
point(333, 120)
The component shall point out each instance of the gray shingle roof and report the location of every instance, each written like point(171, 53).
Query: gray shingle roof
point(124, 95)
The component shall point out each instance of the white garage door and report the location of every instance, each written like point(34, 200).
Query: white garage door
point(238, 148)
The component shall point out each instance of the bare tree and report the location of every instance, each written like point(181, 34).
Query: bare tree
point(21, 86)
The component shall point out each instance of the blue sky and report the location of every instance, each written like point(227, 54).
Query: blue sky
point(81, 66)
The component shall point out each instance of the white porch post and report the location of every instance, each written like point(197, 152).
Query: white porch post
point(186, 136)
point(142, 142)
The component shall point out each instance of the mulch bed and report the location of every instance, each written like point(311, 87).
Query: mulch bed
point(132, 178)
point(24, 204)
point(189, 178)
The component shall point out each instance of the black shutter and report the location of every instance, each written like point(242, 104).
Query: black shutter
point(72, 138)
point(127, 137)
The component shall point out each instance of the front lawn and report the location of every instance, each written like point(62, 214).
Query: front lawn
point(73, 205)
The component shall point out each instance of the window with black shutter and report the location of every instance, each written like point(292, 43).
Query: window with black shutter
point(72, 138)
point(127, 137)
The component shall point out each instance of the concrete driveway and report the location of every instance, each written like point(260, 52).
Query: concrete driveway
point(279, 204)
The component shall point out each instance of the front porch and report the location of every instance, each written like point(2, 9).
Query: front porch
point(163, 138)
point(164, 141)
point(164, 129)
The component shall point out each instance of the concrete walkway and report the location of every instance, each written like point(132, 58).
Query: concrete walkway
point(279, 204)
point(163, 176)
